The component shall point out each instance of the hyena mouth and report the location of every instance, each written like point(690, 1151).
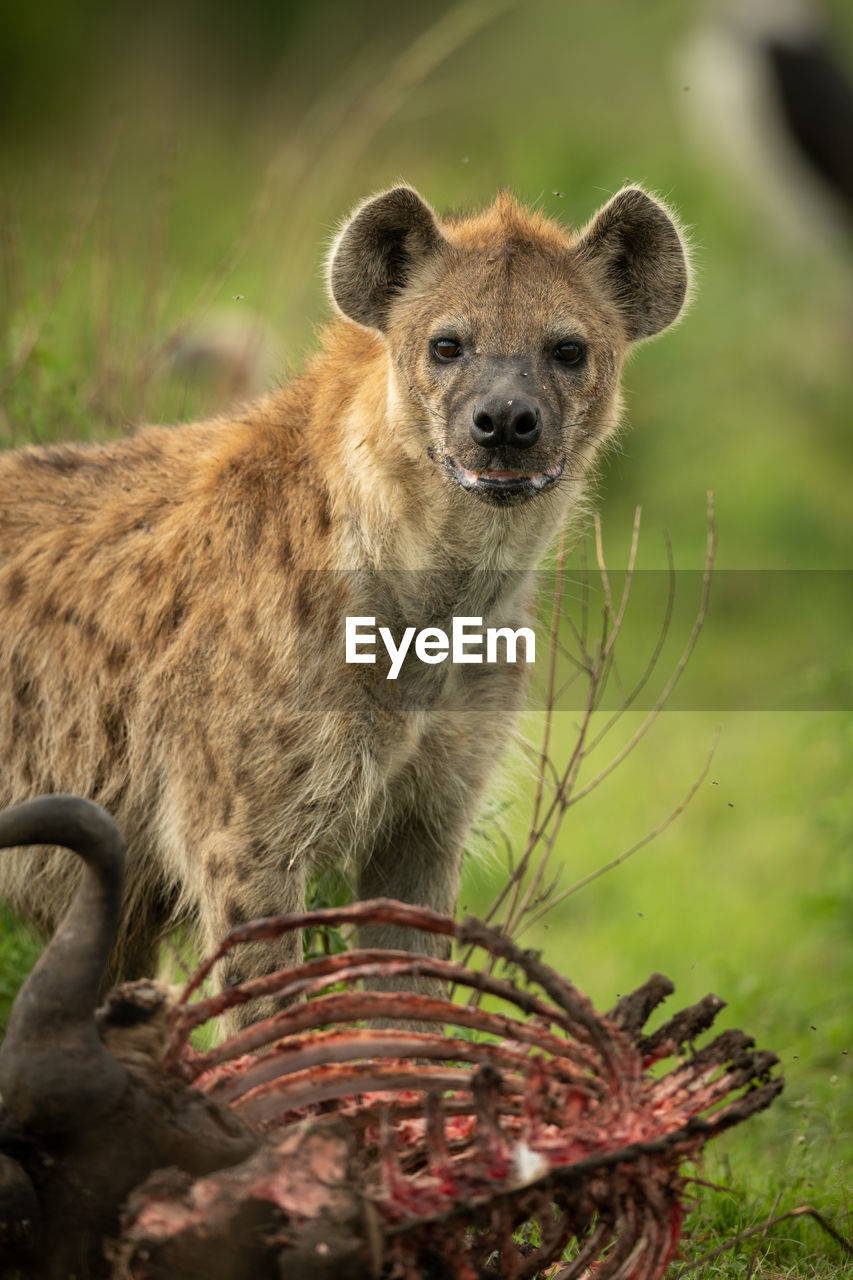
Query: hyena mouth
point(503, 485)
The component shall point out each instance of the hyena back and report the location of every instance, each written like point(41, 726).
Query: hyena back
point(172, 605)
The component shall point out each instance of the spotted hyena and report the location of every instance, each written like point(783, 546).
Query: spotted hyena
point(172, 605)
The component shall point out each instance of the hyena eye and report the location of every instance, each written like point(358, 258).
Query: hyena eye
point(571, 352)
point(447, 348)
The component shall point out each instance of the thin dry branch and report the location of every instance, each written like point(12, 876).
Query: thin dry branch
point(654, 658)
point(635, 848)
point(552, 672)
point(663, 698)
point(761, 1228)
point(526, 895)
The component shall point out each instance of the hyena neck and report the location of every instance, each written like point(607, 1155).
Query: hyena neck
point(429, 598)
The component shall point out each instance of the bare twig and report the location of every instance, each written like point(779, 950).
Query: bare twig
point(802, 1211)
point(635, 848)
point(662, 699)
point(655, 655)
point(527, 895)
point(552, 669)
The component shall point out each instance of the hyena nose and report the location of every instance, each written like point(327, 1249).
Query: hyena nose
point(506, 421)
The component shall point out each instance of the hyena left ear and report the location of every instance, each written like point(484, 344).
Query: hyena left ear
point(374, 256)
point(637, 251)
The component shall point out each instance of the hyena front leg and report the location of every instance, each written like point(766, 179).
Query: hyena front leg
point(414, 863)
point(239, 886)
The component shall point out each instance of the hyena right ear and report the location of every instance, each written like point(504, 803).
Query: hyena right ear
point(373, 257)
point(639, 256)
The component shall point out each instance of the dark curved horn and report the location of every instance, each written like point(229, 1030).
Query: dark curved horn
point(55, 1073)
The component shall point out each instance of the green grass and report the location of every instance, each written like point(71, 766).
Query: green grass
point(226, 176)
point(19, 950)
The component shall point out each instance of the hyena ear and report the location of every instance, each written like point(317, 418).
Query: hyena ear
point(373, 257)
point(640, 258)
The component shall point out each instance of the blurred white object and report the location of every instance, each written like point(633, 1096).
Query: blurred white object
point(764, 92)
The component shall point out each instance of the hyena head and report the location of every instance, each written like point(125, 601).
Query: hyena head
point(506, 333)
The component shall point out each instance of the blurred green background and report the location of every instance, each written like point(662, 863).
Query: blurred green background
point(174, 167)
